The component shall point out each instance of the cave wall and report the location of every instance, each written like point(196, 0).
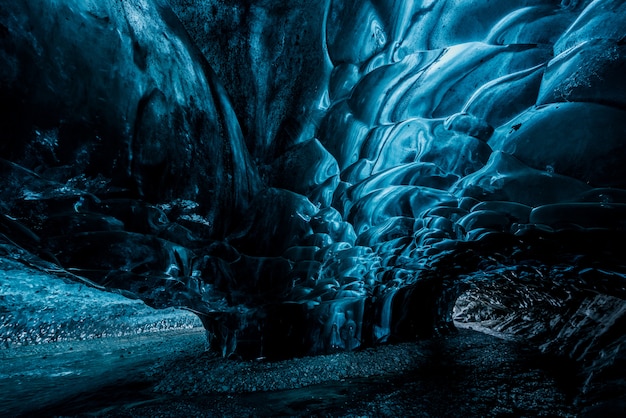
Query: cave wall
point(363, 165)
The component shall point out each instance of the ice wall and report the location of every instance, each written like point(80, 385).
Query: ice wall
point(380, 159)
point(113, 98)
point(114, 126)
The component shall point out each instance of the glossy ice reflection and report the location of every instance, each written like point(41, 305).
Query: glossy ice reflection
point(362, 165)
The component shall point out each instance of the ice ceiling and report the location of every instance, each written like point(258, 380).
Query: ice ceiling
point(352, 173)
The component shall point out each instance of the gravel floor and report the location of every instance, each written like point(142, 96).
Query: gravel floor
point(467, 374)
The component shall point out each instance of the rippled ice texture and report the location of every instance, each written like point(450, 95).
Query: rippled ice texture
point(379, 160)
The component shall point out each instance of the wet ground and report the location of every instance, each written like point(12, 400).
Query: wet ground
point(170, 375)
point(37, 376)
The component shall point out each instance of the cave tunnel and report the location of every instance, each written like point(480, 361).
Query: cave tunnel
point(313, 181)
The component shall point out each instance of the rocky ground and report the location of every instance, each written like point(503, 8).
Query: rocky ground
point(171, 375)
point(123, 359)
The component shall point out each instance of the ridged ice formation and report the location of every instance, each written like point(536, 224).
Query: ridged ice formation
point(380, 159)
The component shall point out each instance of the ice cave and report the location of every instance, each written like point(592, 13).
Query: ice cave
point(311, 187)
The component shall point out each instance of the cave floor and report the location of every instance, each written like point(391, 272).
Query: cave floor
point(169, 374)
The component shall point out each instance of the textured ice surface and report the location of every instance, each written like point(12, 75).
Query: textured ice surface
point(39, 308)
point(379, 160)
point(138, 110)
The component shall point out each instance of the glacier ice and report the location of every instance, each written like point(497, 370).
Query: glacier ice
point(323, 177)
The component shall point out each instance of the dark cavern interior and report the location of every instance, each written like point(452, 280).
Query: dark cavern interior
point(335, 208)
